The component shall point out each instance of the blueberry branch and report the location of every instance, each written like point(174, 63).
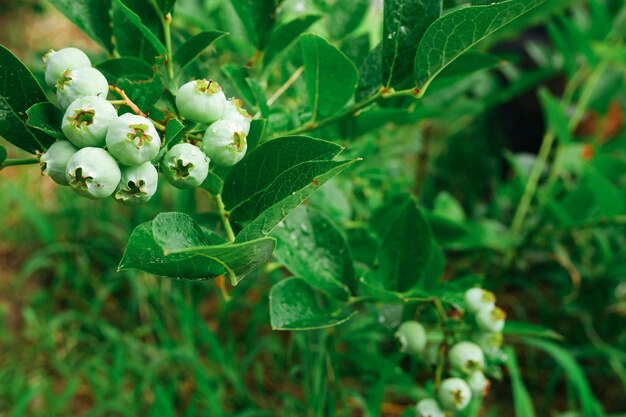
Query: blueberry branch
point(126, 101)
point(225, 218)
point(16, 162)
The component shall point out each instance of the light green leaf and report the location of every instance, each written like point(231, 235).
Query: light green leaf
point(557, 120)
point(194, 46)
point(47, 118)
point(516, 328)
point(295, 305)
point(331, 78)
point(456, 32)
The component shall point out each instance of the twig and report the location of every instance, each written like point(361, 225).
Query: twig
point(16, 162)
point(225, 218)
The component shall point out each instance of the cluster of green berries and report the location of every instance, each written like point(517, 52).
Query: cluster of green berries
point(109, 154)
point(467, 359)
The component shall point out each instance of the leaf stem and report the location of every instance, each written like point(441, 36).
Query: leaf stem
point(16, 162)
point(225, 218)
point(169, 60)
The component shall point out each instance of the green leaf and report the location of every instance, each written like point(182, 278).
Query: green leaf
point(331, 78)
point(557, 119)
point(343, 17)
point(521, 398)
point(174, 132)
point(213, 183)
point(576, 376)
point(406, 250)
point(516, 328)
point(311, 246)
point(257, 128)
point(92, 17)
point(194, 46)
point(456, 32)
point(136, 77)
point(274, 179)
point(404, 24)
point(46, 117)
point(237, 75)
point(3, 154)
point(166, 6)
point(370, 73)
point(467, 64)
point(295, 305)
point(175, 246)
point(18, 92)
point(133, 37)
point(285, 34)
point(258, 18)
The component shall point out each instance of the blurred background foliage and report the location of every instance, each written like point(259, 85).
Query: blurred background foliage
point(79, 338)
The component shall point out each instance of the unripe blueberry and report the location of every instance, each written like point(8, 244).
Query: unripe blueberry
point(80, 82)
point(466, 357)
point(185, 166)
point(201, 101)
point(54, 161)
point(133, 140)
point(225, 143)
point(57, 62)
point(489, 342)
point(412, 337)
point(428, 407)
point(138, 184)
point(491, 320)
point(86, 121)
point(93, 173)
point(234, 112)
point(478, 383)
point(454, 394)
point(477, 299)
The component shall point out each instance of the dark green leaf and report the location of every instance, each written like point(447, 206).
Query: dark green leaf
point(257, 128)
point(258, 18)
point(331, 78)
point(521, 398)
point(175, 246)
point(285, 34)
point(213, 183)
point(370, 73)
point(18, 92)
point(469, 63)
point(136, 77)
point(238, 75)
point(516, 328)
point(92, 17)
point(3, 154)
point(344, 17)
point(310, 246)
point(404, 24)
point(125, 67)
point(133, 36)
point(166, 6)
point(194, 46)
point(295, 305)
point(456, 32)
point(174, 131)
point(46, 117)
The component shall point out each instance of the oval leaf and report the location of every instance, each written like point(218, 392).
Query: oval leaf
point(194, 46)
point(46, 117)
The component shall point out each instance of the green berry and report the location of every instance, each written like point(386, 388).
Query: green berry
point(234, 112)
point(478, 383)
point(477, 299)
point(491, 320)
point(466, 357)
point(132, 139)
point(54, 161)
point(185, 166)
point(489, 342)
point(428, 407)
point(57, 62)
point(80, 82)
point(93, 173)
point(138, 184)
point(225, 143)
point(454, 394)
point(201, 101)
point(412, 337)
point(87, 120)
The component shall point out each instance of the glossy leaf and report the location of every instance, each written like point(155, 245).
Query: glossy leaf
point(136, 77)
point(257, 128)
point(285, 34)
point(456, 32)
point(258, 18)
point(92, 17)
point(194, 46)
point(18, 92)
point(46, 117)
point(331, 78)
point(295, 305)
point(404, 24)
point(175, 246)
point(132, 34)
point(310, 246)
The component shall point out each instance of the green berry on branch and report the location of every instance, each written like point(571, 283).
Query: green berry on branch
point(454, 394)
point(234, 112)
point(57, 62)
point(87, 120)
point(185, 166)
point(93, 173)
point(477, 299)
point(412, 337)
point(133, 139)
point(428, 407)
point(478, 383)
point(225, 143)
point(466, 357)
point(489, 342)
point(491, 320)
point(138, 184)
point(54, 161)
point(80, 82)
point(201, 101)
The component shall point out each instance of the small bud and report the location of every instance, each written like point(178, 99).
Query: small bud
point(491, 320)
point(428, 407)
point(478, 383)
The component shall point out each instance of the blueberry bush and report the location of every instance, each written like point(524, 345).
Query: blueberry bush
point(316, 207)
